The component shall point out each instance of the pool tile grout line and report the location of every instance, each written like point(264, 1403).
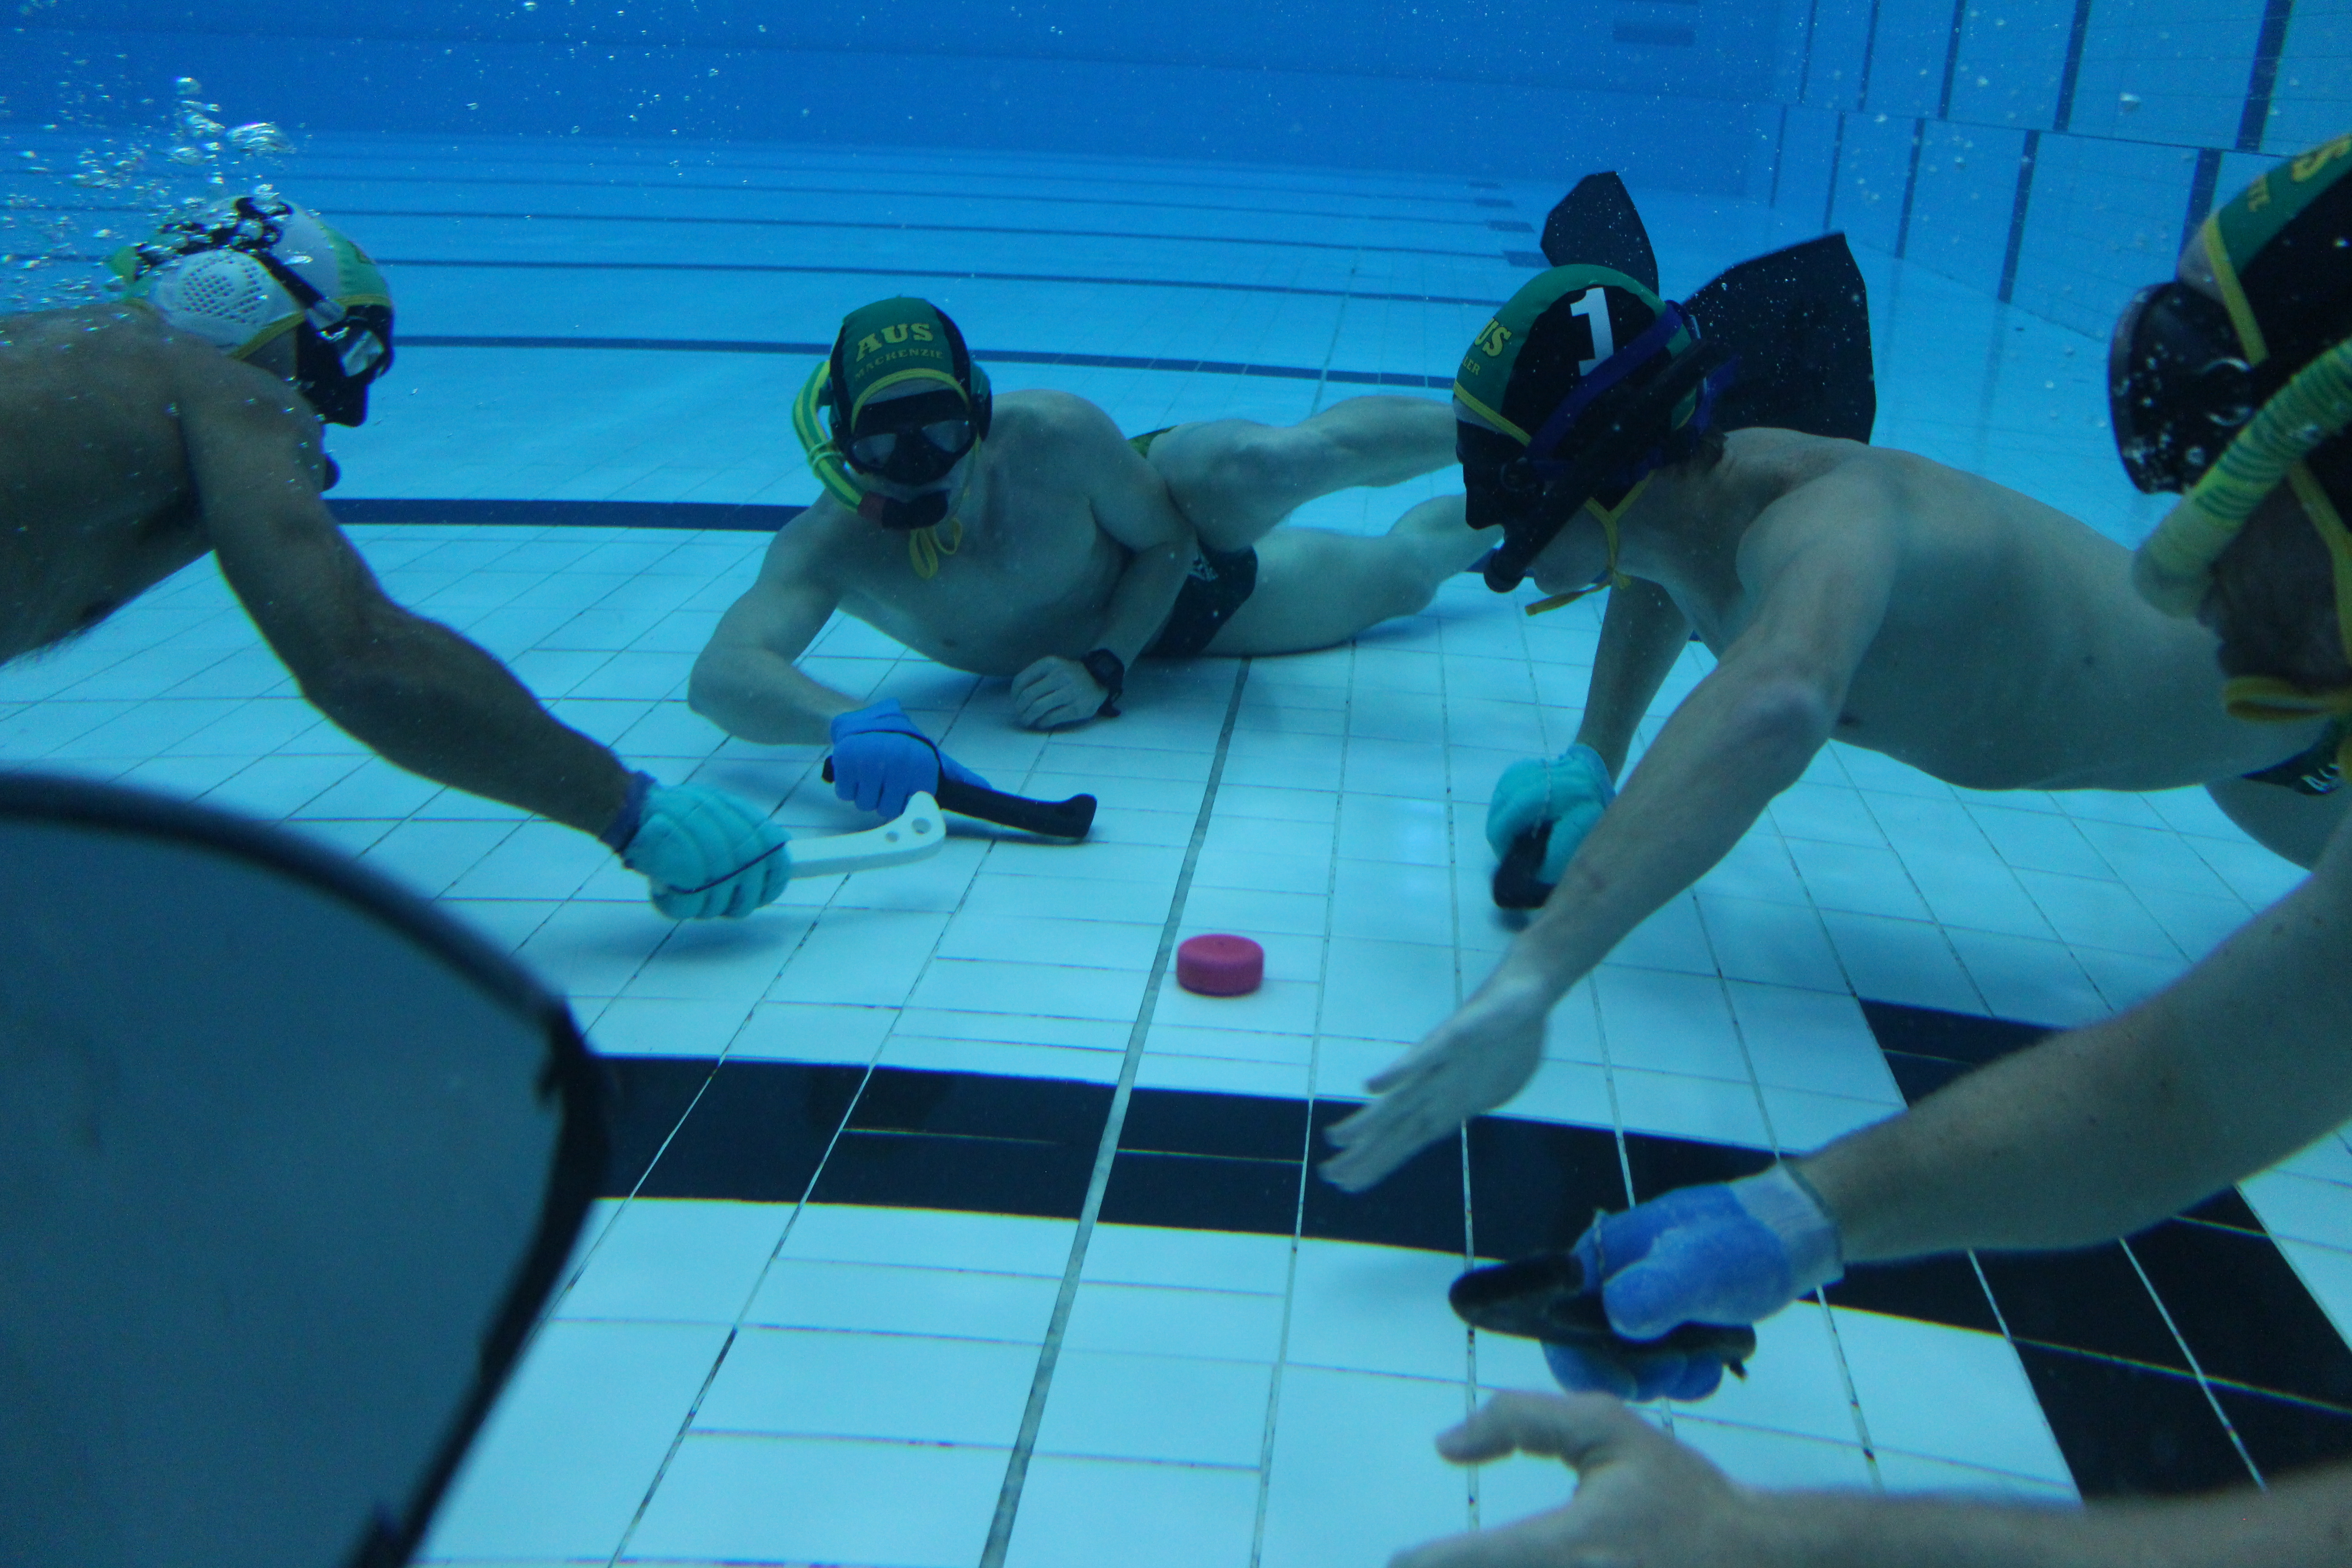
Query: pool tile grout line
point(1016, 1467)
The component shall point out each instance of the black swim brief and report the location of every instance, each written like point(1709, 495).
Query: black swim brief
point(2311, 772)
point(1221, 581)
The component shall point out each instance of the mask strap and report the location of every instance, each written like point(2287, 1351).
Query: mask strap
point(1616, 368)
point(2233, 294)
point(1613, 577)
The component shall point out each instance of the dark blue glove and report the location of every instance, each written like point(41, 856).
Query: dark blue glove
point(1719, 1254)
point(879, 758)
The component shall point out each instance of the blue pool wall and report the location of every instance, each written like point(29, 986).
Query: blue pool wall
point(2052, 154)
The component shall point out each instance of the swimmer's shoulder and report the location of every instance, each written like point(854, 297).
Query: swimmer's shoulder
point(1042, 418)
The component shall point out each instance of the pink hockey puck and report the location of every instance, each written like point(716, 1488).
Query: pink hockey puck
point(1220, 966)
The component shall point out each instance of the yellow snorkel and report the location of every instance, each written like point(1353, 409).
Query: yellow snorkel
point(2173, 569)
point(827, 460)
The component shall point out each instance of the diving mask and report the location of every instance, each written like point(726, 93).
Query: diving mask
point(2178, 387)
point(913, 441)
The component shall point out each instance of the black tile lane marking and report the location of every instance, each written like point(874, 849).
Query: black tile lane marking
point(2237, 1314)
point(1001, 356)
point(2128, 1430)
point(2111, 1387)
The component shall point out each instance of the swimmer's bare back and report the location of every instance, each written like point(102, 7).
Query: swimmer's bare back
point(2013, 652)
point(128, 451)
point(96, 502)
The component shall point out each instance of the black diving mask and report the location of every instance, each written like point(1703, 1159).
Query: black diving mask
point(924, 438)
point(2179, 386)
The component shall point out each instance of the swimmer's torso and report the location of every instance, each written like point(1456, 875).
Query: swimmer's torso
point(2015, 653)
point(1031, 577)
point(95, 500)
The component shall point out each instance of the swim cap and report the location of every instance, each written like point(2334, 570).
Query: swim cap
point(938, 412)
point(893, 345)
point(2281, 254)
point(1582, 384)
point(245, 271)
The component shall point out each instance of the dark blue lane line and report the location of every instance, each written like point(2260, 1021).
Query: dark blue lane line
point(679, 514)
point(845, 168)
point(858, 191)
point(342, 214)
point(949, 273)
point(1001, 356)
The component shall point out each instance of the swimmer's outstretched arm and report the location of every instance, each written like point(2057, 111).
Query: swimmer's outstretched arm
point(412, 689)
point(2099, 1131)
point(744, 680)
point(1642, 635)
point(1820, 565)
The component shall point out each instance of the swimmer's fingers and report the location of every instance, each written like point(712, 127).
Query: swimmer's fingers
point(1055, 692)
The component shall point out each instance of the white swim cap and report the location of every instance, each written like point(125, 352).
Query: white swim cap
point(225, 297)
point(245, 271)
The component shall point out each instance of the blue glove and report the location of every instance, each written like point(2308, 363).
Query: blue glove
point(705, 853)
point(879, 758)
point(1570, 791)
point(1717, 1254)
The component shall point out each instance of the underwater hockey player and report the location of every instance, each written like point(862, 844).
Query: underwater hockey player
point(1022, 536)
point(138, 436)
point(1848, 592)
point(2234, 383)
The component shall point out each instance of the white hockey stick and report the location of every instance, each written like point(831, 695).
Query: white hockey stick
point(917, 834)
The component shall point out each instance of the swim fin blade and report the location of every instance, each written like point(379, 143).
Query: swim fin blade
point(1798, 321)
point(1595, 226)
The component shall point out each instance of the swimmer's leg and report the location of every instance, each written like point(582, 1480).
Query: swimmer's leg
point(1235, 478)
point(1316, 588)
point(2291, 826)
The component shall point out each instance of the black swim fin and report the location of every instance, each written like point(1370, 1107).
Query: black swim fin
point(1798, 321)
point(1595, 226)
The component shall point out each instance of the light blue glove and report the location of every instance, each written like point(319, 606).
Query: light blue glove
point(1719, 1254)
point(880, 757)
point(1570, 791)
point(706, 853)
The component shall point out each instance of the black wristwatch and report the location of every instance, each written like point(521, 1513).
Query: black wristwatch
point(1110, 672)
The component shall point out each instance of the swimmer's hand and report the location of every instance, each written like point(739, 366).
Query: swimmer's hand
point(1472, 1062)
point(880, 757)
point(1727, 1254)
point(1641, 1497)
point(1569, 792)
point(708, 854)
point(1055, 693)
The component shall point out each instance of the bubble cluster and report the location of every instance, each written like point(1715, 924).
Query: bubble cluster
point(64, 212)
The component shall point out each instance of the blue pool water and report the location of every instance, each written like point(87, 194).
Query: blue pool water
point(846, 1298)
